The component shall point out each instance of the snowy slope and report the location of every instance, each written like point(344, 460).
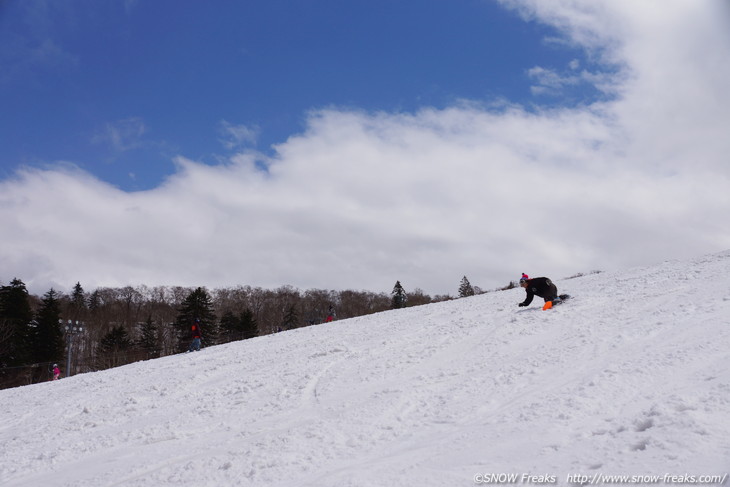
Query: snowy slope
point(632, 377)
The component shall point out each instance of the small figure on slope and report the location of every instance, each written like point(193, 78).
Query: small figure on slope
point(195, 345)
point(542, 287)
point(56, 372)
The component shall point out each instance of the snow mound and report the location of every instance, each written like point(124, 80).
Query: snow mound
point(630, 377)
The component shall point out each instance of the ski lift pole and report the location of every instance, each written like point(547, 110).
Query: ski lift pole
point(72, 328)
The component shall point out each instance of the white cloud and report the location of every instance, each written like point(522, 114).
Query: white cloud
point(360, 200)
point(549, 81)
point(238, 136)
point(554, 83)
point(122, 135)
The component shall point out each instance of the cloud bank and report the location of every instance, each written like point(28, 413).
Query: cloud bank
point(360, 200)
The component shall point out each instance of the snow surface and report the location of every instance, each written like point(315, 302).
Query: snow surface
point(631, 377)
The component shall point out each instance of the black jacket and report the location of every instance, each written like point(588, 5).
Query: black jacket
point(540, 286)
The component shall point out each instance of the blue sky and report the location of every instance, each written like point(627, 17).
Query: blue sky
point(120, 88)
point(347, 145)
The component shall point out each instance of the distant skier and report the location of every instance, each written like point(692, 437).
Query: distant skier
point(56, 372)
point(542, 287)
point(195, 345)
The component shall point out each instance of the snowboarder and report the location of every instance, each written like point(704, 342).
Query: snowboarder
point(56, 372)
point(539, 286)
point(195, 345)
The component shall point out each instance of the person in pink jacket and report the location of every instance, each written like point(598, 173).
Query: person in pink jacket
point(56, 372)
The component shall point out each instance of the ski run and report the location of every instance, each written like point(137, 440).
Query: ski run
point(628, 382)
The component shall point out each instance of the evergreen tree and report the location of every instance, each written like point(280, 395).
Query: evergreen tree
point(15, 330)
point(113, 347)
point(117, 339)
point(149, 341)
point(48, 337)
point(196, 306)
point(241, 327)
point(77, 306)
point(291, 318)
point(211, 332)
point(95, 301)
point(230, 327)
point(399, 298)
point(465, 288)
point(248, 324)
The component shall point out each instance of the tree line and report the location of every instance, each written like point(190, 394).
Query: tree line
point(128, 324)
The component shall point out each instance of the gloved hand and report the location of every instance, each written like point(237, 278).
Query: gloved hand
point(521, 305)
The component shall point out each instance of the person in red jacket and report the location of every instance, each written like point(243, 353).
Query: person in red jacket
point(195, 345)
point(542, 287)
